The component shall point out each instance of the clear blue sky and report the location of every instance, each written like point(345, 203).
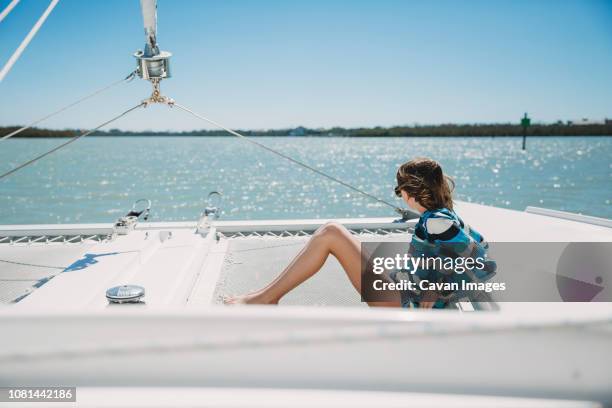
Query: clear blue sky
point(318, 63)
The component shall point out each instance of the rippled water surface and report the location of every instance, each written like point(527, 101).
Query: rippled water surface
point(97, 179)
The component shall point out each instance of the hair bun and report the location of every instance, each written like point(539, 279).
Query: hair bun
point(436, 174)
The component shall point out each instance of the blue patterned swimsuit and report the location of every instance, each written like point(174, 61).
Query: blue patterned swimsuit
point(441, 233)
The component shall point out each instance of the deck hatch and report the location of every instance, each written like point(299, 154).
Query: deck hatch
point(125, 294)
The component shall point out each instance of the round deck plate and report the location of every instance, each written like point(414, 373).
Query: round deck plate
point(125, 294)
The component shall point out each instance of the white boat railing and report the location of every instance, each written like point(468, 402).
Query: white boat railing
point(586, 219)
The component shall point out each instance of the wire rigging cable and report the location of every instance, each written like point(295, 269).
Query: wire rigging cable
point(9, 64)
point(70, 105)
point(399, 210)
point(8, 9)
point(156, 97)
point(73, 139)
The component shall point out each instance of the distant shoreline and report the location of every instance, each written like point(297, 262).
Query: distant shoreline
point(448, 130)
point(314, 136)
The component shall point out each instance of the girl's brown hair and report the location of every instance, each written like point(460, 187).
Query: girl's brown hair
point(423, 179)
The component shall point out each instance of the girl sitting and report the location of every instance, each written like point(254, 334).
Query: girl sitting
point(424, 187)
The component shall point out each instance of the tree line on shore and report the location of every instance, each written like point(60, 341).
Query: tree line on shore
point(458, 130)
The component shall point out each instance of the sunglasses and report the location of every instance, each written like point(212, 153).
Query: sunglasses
point(398, 190)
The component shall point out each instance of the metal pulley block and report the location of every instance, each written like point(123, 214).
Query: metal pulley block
point(154, 66)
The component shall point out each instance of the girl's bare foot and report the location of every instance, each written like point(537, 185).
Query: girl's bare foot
point(249, 299)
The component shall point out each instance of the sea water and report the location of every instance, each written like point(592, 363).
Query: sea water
point(97, 178)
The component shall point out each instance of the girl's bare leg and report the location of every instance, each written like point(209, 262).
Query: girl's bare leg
point(331, 238)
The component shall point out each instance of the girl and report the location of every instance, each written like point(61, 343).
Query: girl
point(424, 187)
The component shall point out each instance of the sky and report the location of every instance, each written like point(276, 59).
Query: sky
point(262, 64)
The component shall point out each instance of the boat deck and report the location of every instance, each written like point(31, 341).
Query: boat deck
point(73, 265)
point(181, 337)
point(174, 264)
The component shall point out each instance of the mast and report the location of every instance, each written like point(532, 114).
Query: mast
point(153, 64)
point(149, 17)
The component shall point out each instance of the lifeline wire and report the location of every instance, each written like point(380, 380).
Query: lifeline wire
point(84, 98)
point(7, 67)
point(73, 139)
point(291, 159)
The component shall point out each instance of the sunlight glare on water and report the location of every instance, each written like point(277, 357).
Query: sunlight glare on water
point(98, 178)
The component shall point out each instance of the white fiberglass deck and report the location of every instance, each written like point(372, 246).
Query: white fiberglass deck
point(179, 267)
point(65, 332)
point(174, 264)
